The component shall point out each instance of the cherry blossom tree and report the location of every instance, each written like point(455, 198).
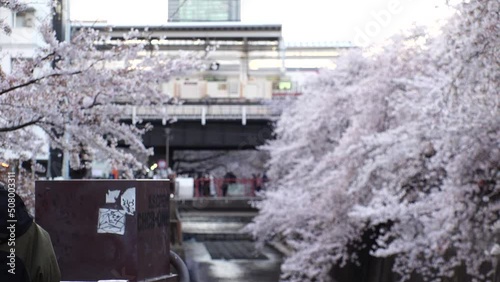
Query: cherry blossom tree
point(72, 87)
point(81, 94)
point(400, 141)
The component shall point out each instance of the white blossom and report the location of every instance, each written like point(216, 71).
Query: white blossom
point(79, 93)
point(402, 143)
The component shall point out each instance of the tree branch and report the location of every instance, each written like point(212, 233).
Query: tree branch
point(5, 91)
point(20, 126)
point(33, 81)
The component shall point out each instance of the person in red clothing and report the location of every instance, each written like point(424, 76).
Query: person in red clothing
point(115, 173)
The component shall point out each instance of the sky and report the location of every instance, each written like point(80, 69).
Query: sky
point(359, 21)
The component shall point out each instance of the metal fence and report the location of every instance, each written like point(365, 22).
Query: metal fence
point(224, 187)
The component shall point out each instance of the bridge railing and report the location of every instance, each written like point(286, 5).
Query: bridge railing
point(224, 187)
point(195, 112)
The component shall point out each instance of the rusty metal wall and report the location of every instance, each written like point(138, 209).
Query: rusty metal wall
point(107, 229)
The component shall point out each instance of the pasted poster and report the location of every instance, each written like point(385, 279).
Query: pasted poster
point(112, 220)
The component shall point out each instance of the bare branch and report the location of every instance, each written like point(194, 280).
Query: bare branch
point(36, 80)
point(20, 126)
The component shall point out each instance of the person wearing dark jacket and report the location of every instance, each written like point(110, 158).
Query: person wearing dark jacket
point(229, 178)
point(26, 252)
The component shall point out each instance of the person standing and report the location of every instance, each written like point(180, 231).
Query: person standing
point(206, 185)
point(26, 251)
point(213, 191)
point(256, 183)
point(265, 180)
point(229, 178)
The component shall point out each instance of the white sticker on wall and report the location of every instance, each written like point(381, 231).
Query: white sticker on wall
point(128, 201)
point(111, 221)
point(112, 196)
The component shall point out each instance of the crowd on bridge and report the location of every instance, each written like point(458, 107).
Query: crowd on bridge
point(206, 185)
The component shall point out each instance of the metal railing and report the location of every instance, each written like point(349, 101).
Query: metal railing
point(182, 270)
point(224, 187)
point(196, 112)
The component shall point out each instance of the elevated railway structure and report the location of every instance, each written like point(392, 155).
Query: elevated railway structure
point(231, 104)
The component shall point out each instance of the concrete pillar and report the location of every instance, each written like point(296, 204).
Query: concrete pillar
point(282, 54)
point(244, 115)
point(244, 62)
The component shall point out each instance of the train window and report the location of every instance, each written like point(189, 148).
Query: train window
point(222, 86)
point(285, 85)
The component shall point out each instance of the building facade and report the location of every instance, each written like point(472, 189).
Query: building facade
point(204, 10)
point(21, 44)
point(25, 36)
